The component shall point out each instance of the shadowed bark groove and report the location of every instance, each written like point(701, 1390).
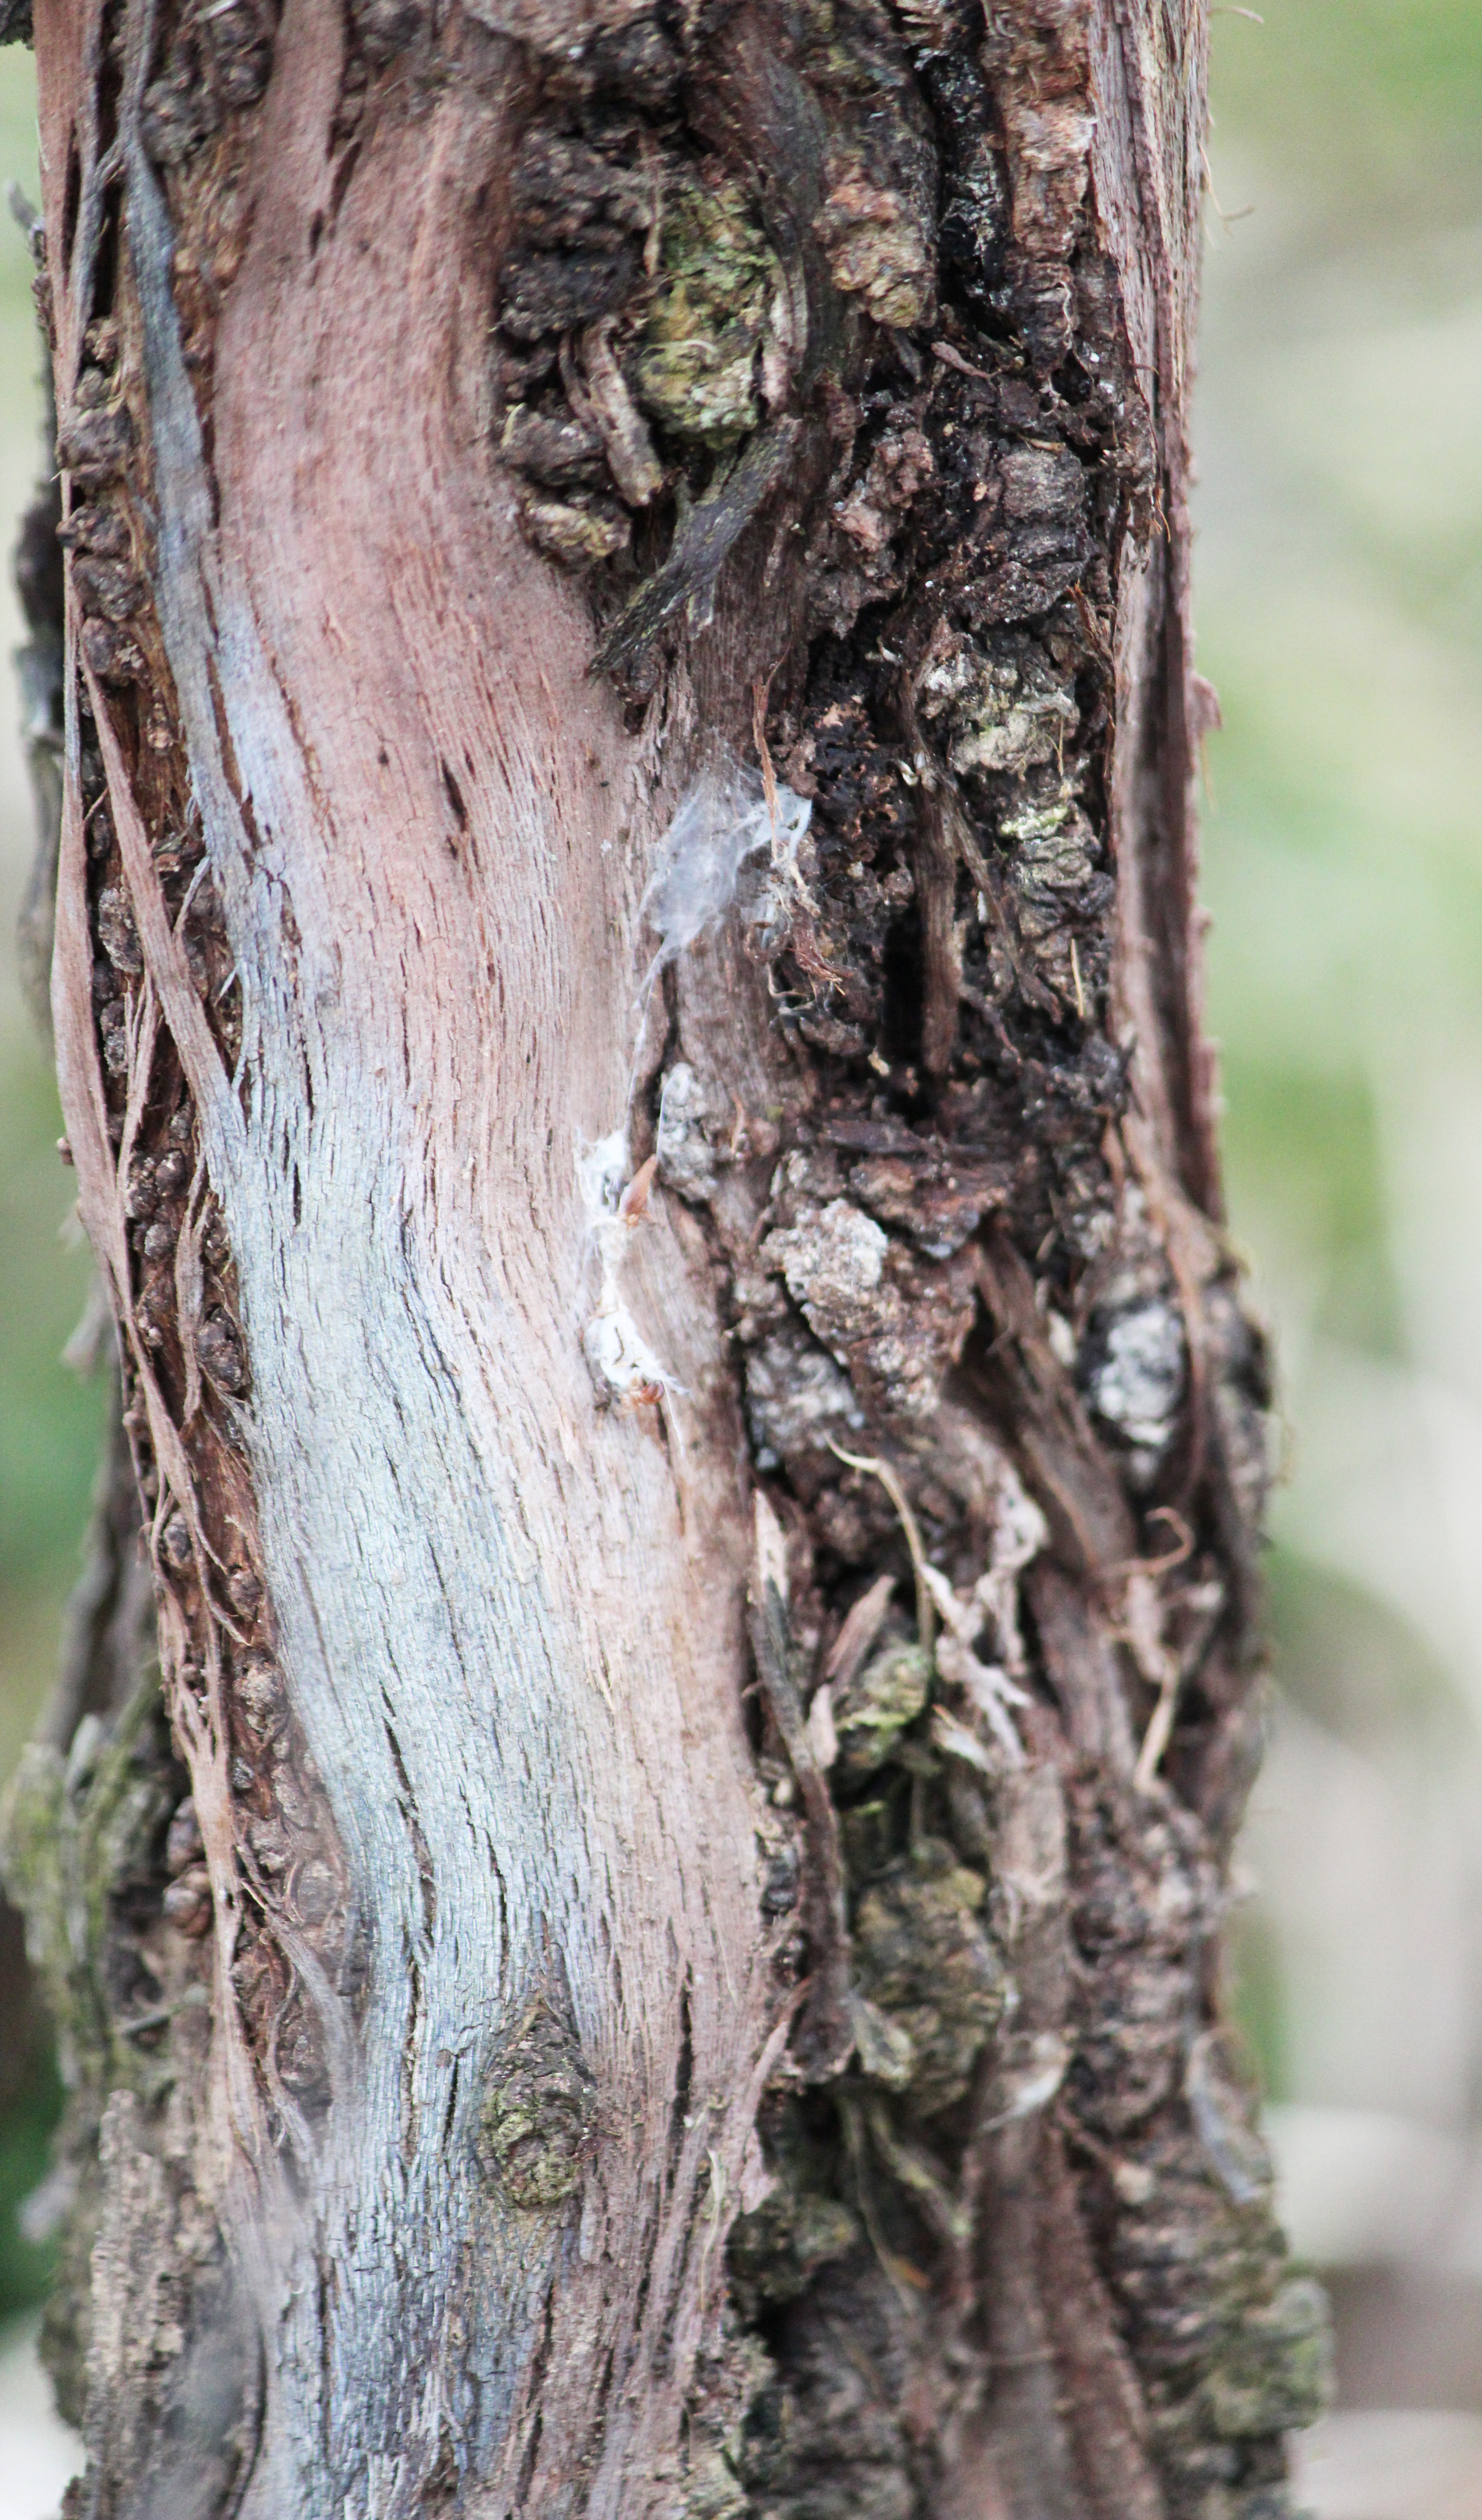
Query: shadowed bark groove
point(626, 1000)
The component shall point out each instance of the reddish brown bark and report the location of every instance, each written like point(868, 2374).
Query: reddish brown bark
point(703, 1522)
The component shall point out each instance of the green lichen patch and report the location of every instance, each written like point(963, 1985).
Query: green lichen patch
point(712, 2489)
point(81, 1852)
point(699, 344)
point(873, 1710)
point(867, 1839)
point(76, 1835)
point(925, 1958)
point(1275, 2374)
point(886, 2049)
point(777, 2250)
point(539, 2114)
point(576, 532)
point(729, 2383)
point(999, 708)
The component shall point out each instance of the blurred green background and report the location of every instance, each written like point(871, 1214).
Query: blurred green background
point(50, 1422)
point(1338, 589)
point(1339, 597)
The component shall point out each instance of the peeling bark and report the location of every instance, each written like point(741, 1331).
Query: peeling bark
point(626, 999)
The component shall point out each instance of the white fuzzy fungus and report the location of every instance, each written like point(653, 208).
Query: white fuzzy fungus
point(686, 1159)
point(623, 1366)
point(723, 822)
point(1136, 1385)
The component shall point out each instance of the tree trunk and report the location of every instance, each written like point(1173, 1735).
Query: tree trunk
point(625, 995)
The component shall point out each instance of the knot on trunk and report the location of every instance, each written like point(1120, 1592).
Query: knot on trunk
point(539, 2117)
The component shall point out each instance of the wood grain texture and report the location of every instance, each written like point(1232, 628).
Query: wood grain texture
point(534, 1741)
point(511, 1625)
point(1148, 78)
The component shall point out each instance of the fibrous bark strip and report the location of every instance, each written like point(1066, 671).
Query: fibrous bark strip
point(628, 1023)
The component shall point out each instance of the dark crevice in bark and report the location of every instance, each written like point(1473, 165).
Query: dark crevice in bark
point(40, 666)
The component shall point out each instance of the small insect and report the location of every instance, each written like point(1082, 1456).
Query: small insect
point(624, 1368)
point(633, 1205)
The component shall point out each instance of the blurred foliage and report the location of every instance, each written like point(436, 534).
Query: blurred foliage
point(1321, 1127)
point(30, 2103)
point(1369, 105)
point(49, 1421)
point(1355, 1669)
point(1258, 1997)
point(1340, 594)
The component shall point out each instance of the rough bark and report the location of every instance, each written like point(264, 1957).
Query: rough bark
point(626, 1000)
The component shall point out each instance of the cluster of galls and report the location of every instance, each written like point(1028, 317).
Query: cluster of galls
point(841, 1326)
point(288, 1866)
point(120, 641)
point(287, 1860)
point(868, 2198)
point(157, 1203)
point(163, 1194)
point(291, 1869)
point(945, 701)
point(945, 958)
point(96, 444)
